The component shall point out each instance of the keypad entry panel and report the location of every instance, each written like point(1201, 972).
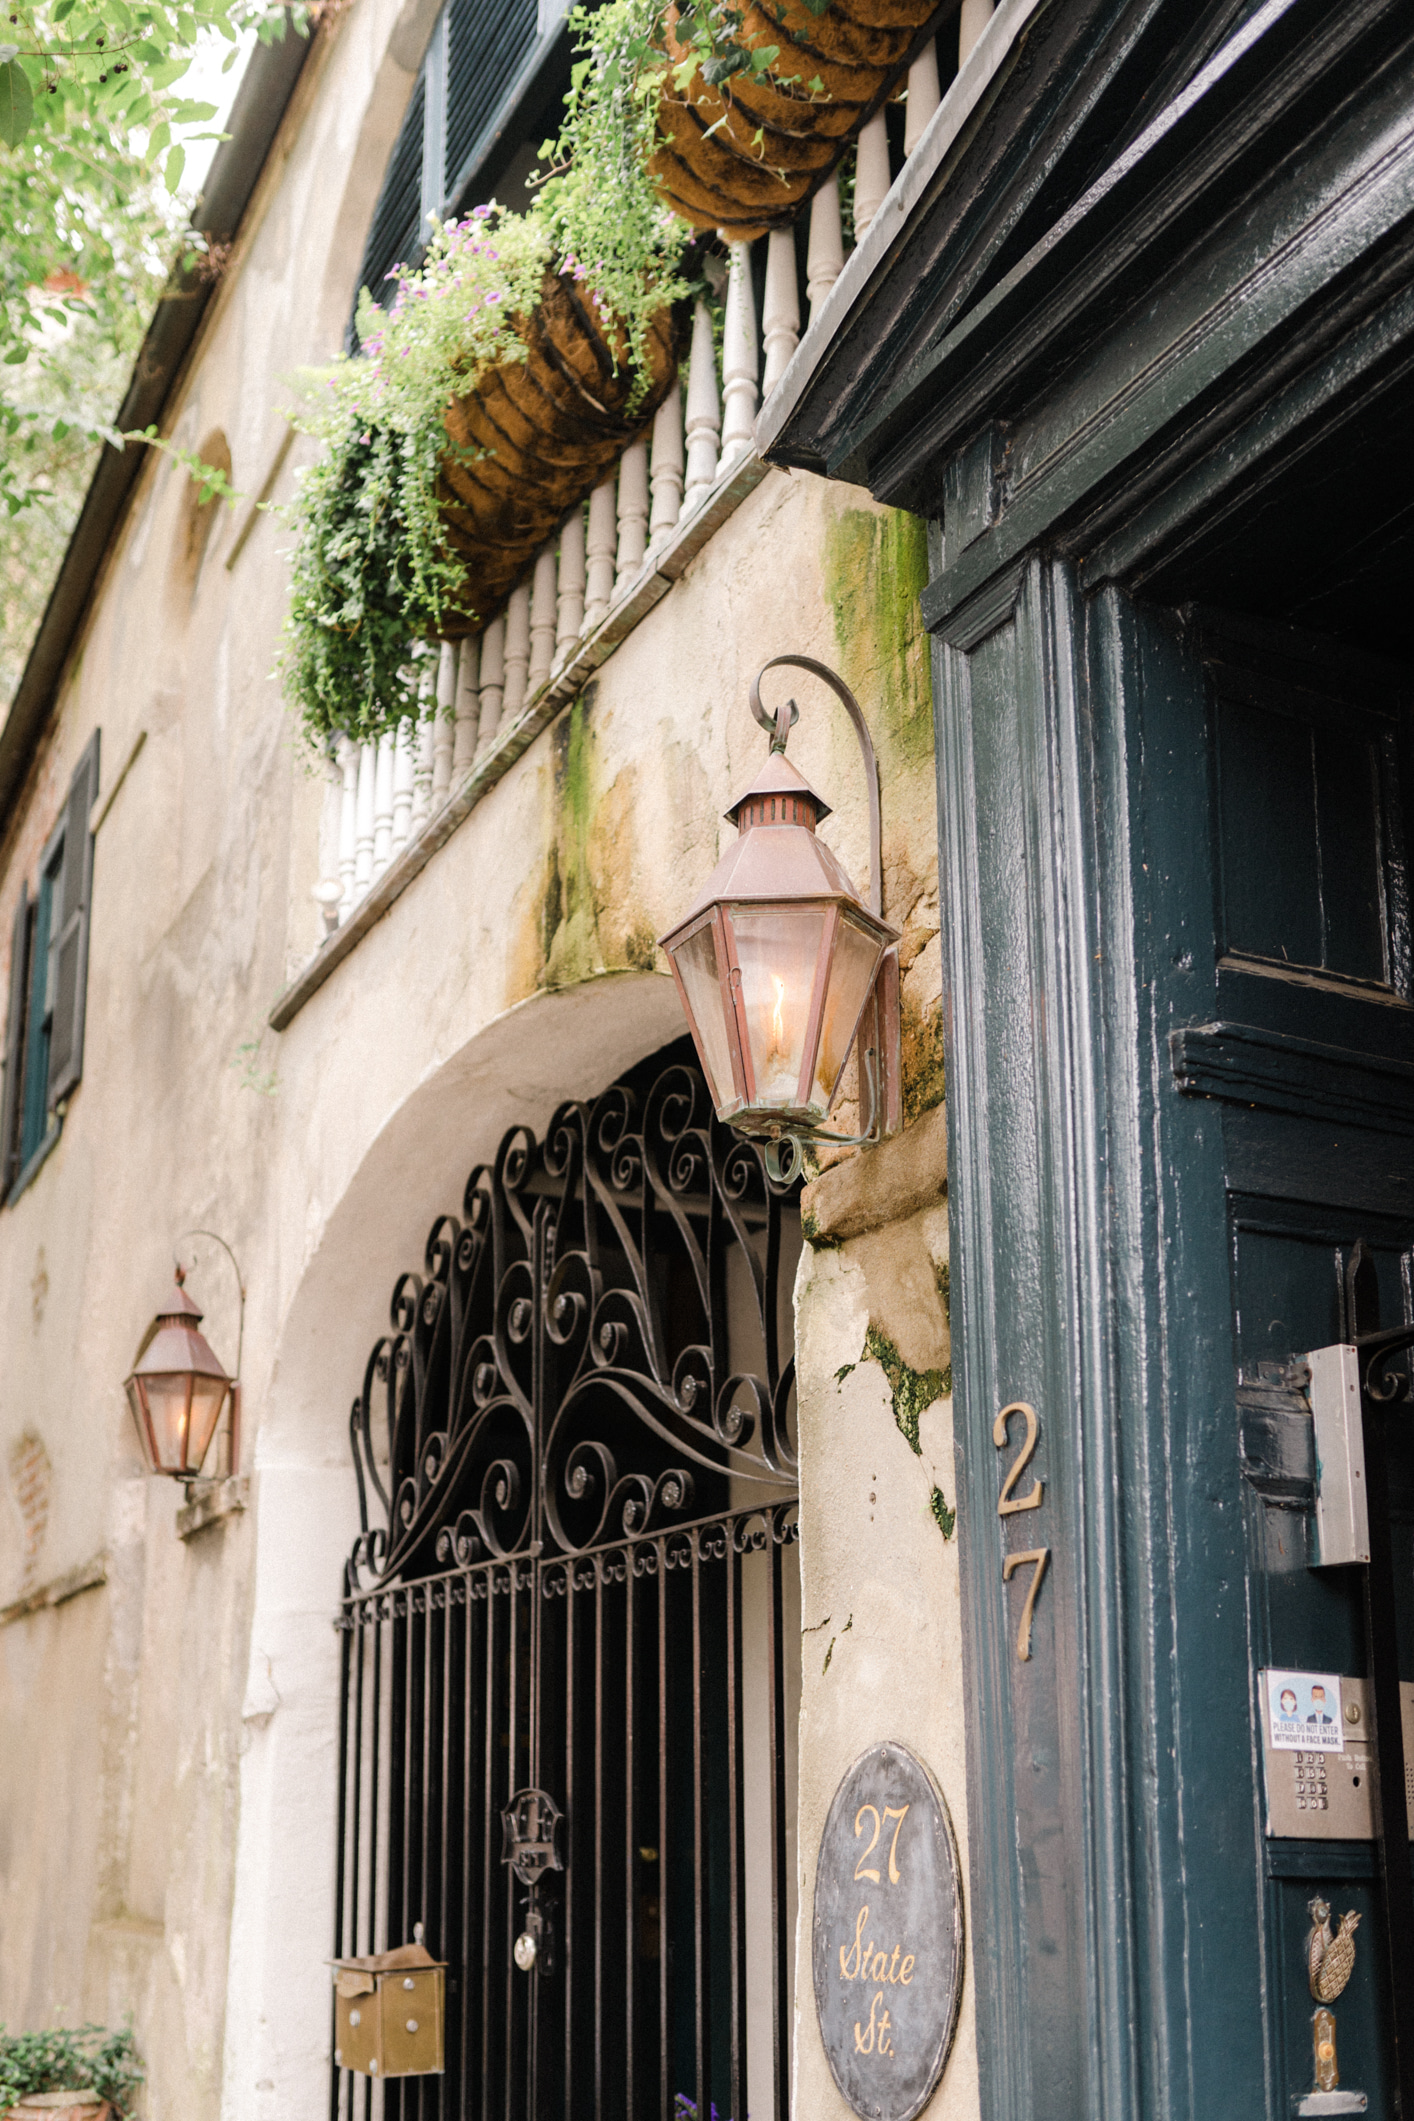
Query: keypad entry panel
point(1315, 1796)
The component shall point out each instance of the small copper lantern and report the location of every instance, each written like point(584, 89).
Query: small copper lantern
point(178, 1389)
point(781, 962)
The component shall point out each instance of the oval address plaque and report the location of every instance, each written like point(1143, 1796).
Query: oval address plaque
point(887, 1934)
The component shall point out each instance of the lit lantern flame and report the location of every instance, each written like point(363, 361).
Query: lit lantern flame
point(778, 1029)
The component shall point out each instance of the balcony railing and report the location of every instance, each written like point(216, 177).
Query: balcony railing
point(607, 562)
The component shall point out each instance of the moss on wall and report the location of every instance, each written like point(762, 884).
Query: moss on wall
point(571, 925)
point(913, 1391)
point(876, 568)
point(924, 1071)
point(587, 920)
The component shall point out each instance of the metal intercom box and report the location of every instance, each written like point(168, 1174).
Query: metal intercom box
point(1316, 1794)
point(1342, 1508)
point(389, 2013)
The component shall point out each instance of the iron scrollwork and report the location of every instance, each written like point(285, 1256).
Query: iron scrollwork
point(558, 1377)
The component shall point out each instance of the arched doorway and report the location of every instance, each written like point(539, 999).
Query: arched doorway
point(571, 1620)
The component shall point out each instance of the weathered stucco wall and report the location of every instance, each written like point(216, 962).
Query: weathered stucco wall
point(170, 1730)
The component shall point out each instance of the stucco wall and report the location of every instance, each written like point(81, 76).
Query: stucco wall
point(170, 1731)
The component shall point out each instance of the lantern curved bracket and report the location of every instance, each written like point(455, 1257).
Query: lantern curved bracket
point(785, 1153)
point(240, 1284)
point(778, 726)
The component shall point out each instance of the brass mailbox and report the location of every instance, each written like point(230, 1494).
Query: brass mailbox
point(388, 2013)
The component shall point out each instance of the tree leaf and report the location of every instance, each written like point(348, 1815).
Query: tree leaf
point(176, 163)
point(16, 103)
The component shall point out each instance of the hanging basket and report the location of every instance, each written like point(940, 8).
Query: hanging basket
point(541, 435)
point(745, 161)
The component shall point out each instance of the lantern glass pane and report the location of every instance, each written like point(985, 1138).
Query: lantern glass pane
point(696, 962)
point(207, 1399)
point(167, 1397)
point(856, 960)
point(778, 950)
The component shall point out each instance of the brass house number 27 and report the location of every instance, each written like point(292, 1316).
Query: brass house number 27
point(1008, 1505)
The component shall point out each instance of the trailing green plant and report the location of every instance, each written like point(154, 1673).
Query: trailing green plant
point(606, 223)
point(88, 2058)
point(372, 572)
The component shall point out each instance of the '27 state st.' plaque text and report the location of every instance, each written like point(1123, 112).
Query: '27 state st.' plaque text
point(887, 1934)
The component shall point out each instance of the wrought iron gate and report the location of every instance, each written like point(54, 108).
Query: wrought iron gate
point(570, 1650)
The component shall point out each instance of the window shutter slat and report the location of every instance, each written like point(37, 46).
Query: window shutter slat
point(14, 1043)
point(68, 963)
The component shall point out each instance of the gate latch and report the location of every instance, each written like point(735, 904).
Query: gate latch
point(530, 1825)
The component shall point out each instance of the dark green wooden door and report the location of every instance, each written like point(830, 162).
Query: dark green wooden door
point(1305, 1066)
point(1182, 1089)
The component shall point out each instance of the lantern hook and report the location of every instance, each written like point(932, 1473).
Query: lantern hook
point(778, 726)
point(240, 1282)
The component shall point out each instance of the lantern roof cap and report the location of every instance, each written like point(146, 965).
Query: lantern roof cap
point(778, 777)
point(174, 1341)
point(178, 1304)
point(768, 865)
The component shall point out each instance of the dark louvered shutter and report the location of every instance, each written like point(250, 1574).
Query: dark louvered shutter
point(490, 42)
point(395, 237)
point(68, 934)
point(14, 1045)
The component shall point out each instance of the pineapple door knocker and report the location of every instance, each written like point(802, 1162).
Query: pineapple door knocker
point(1330, 1962)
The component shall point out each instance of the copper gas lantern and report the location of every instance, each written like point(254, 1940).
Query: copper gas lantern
point(781, 964)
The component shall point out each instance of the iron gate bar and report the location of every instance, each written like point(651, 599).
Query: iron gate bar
point(554, 1392)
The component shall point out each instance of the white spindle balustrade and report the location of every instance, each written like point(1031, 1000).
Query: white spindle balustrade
point(383, 807)
point(348, 824)
point(603, 545)
point(633, 513)
point(741, 359)
point(704, 411)
point(542, 618)
point(824, 254)
point(363, 849)
point(517, 652)
point(975, 16)
point(666, 477)
point(444, 734)
point(468, 706)
point(329, 890)
point(493, 681)
point(924, 96)
point(569, 585)
point(424, 738)
point(780, 313)
point(871, 174)
point(404, 761)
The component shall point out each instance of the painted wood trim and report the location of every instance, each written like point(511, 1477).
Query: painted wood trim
point(1245, 1065)
point(1235, 304)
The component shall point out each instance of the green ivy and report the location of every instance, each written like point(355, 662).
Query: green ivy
point(87, 2059)
point(372, 572)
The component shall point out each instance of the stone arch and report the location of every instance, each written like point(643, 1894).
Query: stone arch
point(572, 1042)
